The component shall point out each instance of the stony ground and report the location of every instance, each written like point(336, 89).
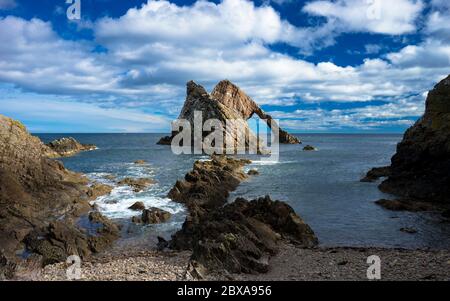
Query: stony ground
point(142, 266)
point(351, 264)
point(291, 264)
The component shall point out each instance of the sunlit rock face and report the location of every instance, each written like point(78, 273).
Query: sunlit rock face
point(226, 102)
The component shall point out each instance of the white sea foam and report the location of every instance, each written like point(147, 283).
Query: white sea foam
point(262, 163)
point(116, 204)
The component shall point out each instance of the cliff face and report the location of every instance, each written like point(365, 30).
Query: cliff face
point(226, 102)
point(37, 196)
point(421, 167)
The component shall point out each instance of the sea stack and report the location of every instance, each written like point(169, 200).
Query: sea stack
point(226, 102)
point(420, 169)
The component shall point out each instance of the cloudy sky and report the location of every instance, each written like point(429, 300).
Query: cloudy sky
point(318, 66)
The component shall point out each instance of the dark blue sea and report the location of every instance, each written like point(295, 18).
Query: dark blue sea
point(322, 186)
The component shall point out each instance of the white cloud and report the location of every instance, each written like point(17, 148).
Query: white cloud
point(376, 16)
point(154, 50)
point(430, 54)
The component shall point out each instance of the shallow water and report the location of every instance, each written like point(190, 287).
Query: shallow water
point(322, 186)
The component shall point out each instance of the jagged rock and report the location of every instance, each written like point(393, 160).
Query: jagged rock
point(309, 148)
point(99, 189)
point(7, 268)
point(240, 236)
point(136, 219)
point(167, 140)
point(155, 216)
point(209, 183)
point(420, 168)
point(376, 173)
point(36, 193)
point(237, 237)
point(66, 147)
point(226, 102)
point(253, 172)
point(162, 243)
point(137, 184)
point(106, 232)
point(138, 206)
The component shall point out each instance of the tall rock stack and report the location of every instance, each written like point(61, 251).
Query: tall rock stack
point(421, 167)
point(226, 102)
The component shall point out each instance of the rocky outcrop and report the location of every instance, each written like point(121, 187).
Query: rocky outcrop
point(241, 236)
point(376, 173)
point(37, 194)
point(406, 205)
point(138, 184)
point(151, 216)
point(138, 206)
point(309, 148)
point(238, 237)
point(226, 102)
point(253, 172)
point(155, 216)
point(66, 147)
point(209, 183)
point(420, 168)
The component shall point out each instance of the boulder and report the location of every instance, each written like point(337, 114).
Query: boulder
point(106, 232)
point(253, 172)
point(155, 216)
point(162, 243)
point(408, 230)
point(99, 189)
point(138, 206)
point(66, 147)
point(138, 184)
point(309, 148)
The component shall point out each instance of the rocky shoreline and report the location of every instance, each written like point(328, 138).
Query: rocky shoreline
point(292, 263)
point(42, 204)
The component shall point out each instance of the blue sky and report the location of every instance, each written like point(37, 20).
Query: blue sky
point(318, 66)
